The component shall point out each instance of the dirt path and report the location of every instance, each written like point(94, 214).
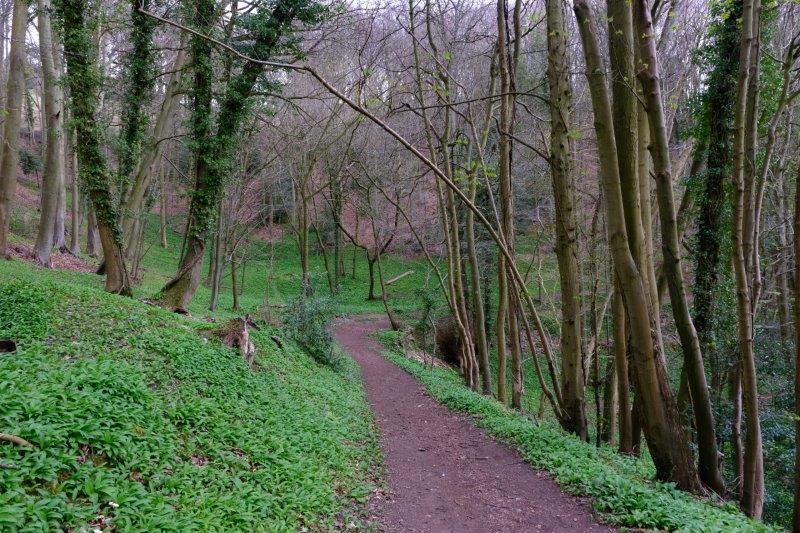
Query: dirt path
point(444, 473)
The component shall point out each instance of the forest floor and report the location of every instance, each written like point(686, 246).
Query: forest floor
point(445, 474)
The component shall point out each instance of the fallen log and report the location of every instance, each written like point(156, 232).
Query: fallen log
point(398, 278)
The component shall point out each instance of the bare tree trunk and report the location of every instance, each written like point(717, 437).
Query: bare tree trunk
point(479, 322)
point(752, 500)
point(217, 260)
point(92, 238)
point(162, 212)
point(784, 264)
point(660, 420)
point(574, 408)
point(608, 428)
point(234, 279)
point(59, 230)
point(15, 89)
point(500, 328)
point(152, 151)
point(796, 514)
point(53, 190)
point(506, 195)
point(693, 359)
point(71, 161)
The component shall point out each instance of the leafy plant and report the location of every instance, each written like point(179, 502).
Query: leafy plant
point(308, 322)
point(29, 162)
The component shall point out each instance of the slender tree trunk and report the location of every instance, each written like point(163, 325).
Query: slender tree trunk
point(506, 196)
point(752, 500)
point(572, 378)
point(234, 279)
point(660, 420)
point(784, 264)
point(53, 192)
point(15, 90)
point(77, 200)
point(92, 244)
point(796, 514)
point(217, 260)
point(162, 212)
point(649, 76)
point(154, 147)
point(608, 428)
point(479, 317)
point(500, 328)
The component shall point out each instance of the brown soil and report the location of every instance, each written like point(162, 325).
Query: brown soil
point(444, 474)
point(59, 260)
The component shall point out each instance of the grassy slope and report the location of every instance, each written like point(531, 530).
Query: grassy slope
point(126, 403)
point(619, 487)
point(160, 264)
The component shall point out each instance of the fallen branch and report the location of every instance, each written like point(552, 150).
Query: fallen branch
point(13, 439)
point(398, 278)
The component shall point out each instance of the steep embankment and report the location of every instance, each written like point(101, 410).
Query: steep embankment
point(137, 422)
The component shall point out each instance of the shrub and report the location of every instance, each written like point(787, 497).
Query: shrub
point(30, 162)
point(308, 320)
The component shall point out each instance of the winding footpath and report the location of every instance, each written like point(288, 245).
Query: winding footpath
point(444, 474)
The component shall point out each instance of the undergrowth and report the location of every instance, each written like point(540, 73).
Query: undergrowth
point(138, 423)
point(621, 489)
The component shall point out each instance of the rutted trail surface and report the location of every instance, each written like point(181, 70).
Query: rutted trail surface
point(446, 475)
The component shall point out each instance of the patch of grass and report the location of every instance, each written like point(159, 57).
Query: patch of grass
point(620, 488)
point(140, 424)
point(160, 264)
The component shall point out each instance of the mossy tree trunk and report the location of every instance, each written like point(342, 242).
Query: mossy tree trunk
point(84, 82)
point(213, 149)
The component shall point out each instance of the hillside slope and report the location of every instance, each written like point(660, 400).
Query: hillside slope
point(139, 423)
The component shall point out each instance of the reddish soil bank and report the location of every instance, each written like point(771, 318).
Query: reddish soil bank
point(444, 474)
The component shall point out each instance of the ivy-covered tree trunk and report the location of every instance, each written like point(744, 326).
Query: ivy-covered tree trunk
point(13, 117)
point(717, 117)
point(84, 81)
point(213, 152)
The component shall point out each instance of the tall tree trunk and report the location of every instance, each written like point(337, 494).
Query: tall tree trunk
point(53, 190)
point(663, 431)
point(478, 311)
point(217, 260)
point(71, 161)
point(572, 378)
point(210, 149)
point(718, 114)
point(84, 82)
point(15, 90)
point(154, 147)
point(752, 500)
point(649, 76)
point(796, 514)
point(784, 263)
point(506, 195)
point(163, 204)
